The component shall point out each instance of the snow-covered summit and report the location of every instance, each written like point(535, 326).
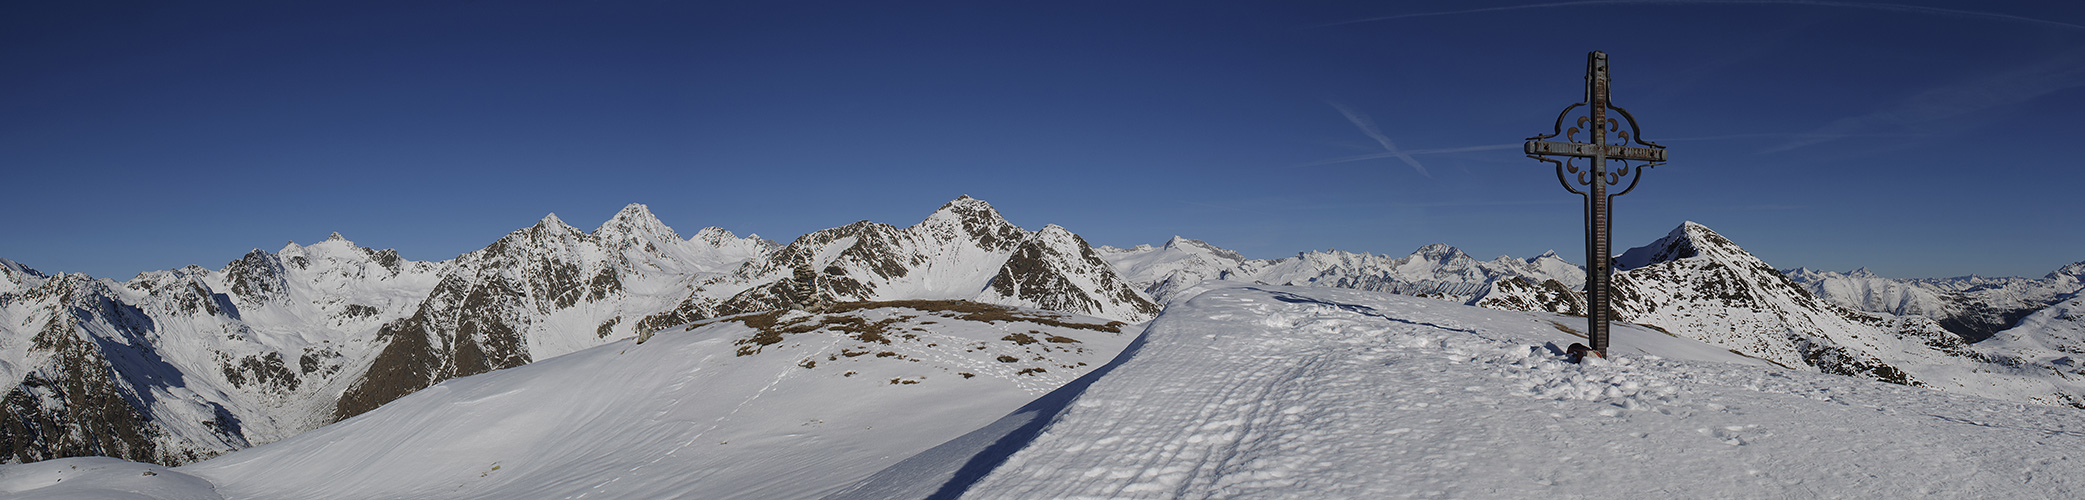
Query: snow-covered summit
point(634, 224)
point(1687, 241)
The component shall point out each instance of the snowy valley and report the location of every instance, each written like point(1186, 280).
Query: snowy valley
point(965, 356)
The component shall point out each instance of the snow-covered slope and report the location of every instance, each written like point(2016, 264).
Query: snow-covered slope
point(1290, 392)
point(782, 404)
point(2054, 336)
point(1698, 284)
point(1235, 391)
point(189, 363)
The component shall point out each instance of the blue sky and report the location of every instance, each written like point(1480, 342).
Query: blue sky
point(1917, 139)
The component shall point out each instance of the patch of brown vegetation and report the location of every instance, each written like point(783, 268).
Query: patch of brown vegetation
point(1030, 371)
point(1020, 339)
point(981, 312)
point(1007, 359)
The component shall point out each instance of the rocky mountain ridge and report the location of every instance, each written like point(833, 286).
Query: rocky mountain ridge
point(1436, 270)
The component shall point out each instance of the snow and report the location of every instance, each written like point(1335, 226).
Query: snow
point(682, 415)
point(1292, 392)
point(1237, 390)
point(101, 478)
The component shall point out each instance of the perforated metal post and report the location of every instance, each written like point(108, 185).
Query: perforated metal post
point(1596, 178)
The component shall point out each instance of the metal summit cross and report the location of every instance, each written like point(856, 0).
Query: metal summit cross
point(1596, 177)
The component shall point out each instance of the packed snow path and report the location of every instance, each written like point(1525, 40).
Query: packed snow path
point(1319, 393)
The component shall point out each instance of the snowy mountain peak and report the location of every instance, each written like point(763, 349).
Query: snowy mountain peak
point(2074, 271)
point(1199, 247)
point(550, 220)
point(1687, 241)
point(1440, 252)
point(713, 235)
point(972, 219)
point(635, 221)
point(335, 237)
point(967, 207)
point(14, 269)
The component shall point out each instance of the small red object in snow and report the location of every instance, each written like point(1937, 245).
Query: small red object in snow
point(1578, 352)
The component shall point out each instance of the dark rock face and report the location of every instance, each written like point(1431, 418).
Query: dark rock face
point(1030, 276)
point(1057, 270)
point(465, 328)
point(256, 278)
point(1517, 294)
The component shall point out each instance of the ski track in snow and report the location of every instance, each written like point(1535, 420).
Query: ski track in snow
point(1320, 399)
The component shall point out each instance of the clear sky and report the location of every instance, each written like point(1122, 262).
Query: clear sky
point(1919, 139)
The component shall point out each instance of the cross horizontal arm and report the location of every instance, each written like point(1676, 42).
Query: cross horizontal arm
point(1583, 150)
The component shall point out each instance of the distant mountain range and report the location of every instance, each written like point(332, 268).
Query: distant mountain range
point(176, 366)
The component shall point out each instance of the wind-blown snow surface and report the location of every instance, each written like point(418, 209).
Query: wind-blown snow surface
point(1307, 392)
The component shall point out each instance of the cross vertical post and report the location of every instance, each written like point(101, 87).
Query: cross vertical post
point(1595, 177)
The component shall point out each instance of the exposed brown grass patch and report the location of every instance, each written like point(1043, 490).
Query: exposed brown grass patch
point(978, 311)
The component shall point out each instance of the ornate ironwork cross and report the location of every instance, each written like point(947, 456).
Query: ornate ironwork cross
point(1595, 177)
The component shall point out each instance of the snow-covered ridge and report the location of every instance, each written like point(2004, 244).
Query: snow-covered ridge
point(1973, 307)
point(1236, 390)
point(1696, 283)
point(192, 362)
point(783, 404)
point(1436, 270)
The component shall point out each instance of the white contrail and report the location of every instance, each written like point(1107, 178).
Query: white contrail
point(1915, 9)
point(1395, 154)
point(1368, 126)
